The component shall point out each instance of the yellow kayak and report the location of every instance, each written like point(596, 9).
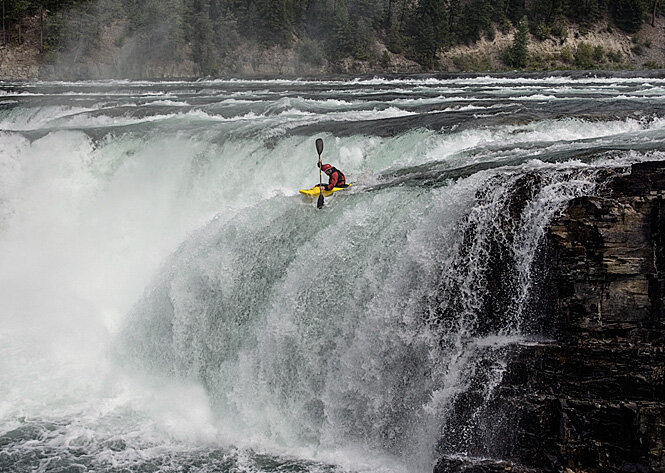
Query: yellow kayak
point(315, 191)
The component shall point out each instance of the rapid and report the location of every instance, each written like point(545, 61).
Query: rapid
point(170, 302)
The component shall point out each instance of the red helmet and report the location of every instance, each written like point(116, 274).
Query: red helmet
point(325, 167)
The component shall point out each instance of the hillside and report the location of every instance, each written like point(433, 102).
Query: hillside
point(106, 42)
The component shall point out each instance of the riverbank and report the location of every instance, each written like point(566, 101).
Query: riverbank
point(602, 47)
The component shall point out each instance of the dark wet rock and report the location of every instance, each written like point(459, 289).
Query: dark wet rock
point(457, 465)
point(591, 396)
point(594, 399)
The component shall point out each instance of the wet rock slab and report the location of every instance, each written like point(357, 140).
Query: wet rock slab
point(458, 465)
point(593, 399)
point(590, 396)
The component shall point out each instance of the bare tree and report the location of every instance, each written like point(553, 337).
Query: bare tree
point(654, 12)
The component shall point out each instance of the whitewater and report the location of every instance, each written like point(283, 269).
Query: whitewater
point(170, 302)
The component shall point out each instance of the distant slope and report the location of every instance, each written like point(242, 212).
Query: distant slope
point(182, 38)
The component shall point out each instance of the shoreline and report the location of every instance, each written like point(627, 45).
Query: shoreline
point(513, 74)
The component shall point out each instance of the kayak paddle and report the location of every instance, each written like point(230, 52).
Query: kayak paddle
point(319, 149)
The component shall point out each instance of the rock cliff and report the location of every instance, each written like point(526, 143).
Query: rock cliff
point(598, 401)
point(591, 397)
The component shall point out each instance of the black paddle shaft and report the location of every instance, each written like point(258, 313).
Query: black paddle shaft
point(319, 149)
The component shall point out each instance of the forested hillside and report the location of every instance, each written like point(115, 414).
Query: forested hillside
point(211, 34)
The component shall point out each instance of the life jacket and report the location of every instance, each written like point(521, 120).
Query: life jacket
point(341, 179)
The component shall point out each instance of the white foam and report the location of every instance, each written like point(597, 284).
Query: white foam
point(86, 226)
point(20, 119)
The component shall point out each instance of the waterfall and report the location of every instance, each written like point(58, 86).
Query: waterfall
point(363, 324)
point(169, 301)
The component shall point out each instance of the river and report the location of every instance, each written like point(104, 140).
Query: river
point(170, 302)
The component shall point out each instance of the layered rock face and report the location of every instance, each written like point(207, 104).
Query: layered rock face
point(591, 396)
point(593, 399)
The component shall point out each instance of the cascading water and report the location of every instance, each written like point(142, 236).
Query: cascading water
point(169, 302)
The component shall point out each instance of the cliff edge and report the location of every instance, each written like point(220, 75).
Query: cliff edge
point(599, 400)
point(590, 397)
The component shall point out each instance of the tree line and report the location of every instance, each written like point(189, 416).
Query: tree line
point(209, 31)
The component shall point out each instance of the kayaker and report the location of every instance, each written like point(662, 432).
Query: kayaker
point(336, 177)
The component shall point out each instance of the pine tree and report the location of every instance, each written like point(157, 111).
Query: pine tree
point(545, 11)
point(277, 19)
point(518, 54)
point(475, 18)
point(341, 39)
point(516, 10)
point(586, 12)
point(362, 38)
point(225, 24)
point(429, 31)
point(629, 15)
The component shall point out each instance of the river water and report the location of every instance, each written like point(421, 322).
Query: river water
point(170, 302)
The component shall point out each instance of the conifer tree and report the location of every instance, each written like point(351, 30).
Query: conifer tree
point(429, 31)
point(474, 19)
point(203, 48)
point(586, 12)
point(341, 39)
point(276, 15)
point(518, 54)
point(516, 10)
point(629, 15)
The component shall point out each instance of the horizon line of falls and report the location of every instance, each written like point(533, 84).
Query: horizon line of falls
point(169, 302)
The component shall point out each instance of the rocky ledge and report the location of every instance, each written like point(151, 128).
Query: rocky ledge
point(591, 397)
point(596, 399)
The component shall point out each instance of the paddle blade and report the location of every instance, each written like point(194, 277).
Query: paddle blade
point(319, 146)
point(319, 203)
